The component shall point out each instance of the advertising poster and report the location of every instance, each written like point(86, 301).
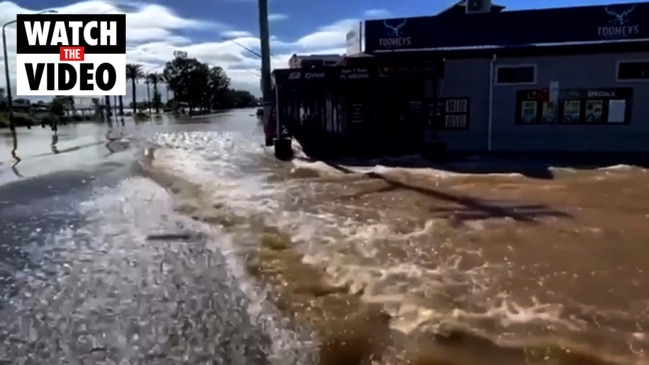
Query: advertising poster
point(460, 121)
point(461, 106)
point(617, 111)
point(529, 111)
point(449, 121)
point(450, 106)
point(571, 111)
point(549, 113)
point(594, 111)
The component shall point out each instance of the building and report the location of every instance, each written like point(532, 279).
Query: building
point(350, 110)
point(563, 79)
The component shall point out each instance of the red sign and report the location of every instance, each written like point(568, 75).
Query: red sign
point(544, 95)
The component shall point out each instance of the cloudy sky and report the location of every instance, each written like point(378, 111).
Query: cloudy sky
point(158, 27)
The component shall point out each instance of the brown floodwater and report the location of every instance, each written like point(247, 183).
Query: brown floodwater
point(498, 269)
point(419, 266)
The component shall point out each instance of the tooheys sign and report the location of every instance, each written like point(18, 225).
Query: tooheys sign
point(76, 55)
point(394, 35)
point(620, 26)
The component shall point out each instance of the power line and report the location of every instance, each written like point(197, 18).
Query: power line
point(249, 49)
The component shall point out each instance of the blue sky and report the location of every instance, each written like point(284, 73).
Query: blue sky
point(157, 27)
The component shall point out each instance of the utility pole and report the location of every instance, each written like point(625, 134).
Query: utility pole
point(10, 106)
point(264, 39)
point(109, 121)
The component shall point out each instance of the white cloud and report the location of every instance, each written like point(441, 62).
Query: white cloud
point(152, 37)
point(377, 13)
point(330, 36)
point(277, 17)
point(236, 34)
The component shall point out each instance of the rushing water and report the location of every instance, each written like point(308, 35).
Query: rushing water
point(192, 245)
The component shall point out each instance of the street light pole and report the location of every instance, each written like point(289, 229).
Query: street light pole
point(10, 104)
point(264, 39)
point(6, 58)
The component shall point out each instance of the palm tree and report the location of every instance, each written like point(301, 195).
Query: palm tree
point(134, 73)
point(155, 78)
point(148, 94)
point(121, 105)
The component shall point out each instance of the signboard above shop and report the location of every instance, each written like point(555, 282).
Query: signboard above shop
point(328, 74)
point(510, 28)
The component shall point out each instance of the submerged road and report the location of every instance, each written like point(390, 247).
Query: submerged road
point(95, 265)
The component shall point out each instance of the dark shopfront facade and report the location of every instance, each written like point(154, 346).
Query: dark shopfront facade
point(567, 79)
point(363, 110)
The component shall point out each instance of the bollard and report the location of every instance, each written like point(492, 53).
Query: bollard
point(283, 149)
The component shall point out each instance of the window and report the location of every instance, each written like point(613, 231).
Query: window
point(638, 70)
point(516, 75)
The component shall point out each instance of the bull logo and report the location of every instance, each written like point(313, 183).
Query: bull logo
point(395, 30)
point(619, 18)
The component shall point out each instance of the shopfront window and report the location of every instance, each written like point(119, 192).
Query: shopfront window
point(629, 71)
point(512, 75)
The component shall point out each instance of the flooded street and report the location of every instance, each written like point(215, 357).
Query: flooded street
point(186, 242)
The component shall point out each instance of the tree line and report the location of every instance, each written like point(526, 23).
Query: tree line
point(190, 84)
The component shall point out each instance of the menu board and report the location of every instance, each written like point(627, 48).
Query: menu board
point(575, 106)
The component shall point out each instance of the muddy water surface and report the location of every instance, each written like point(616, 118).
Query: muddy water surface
point(194, 245)
point(510, 269)
point(421, 266)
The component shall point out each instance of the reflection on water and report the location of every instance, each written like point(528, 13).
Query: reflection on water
point(17, 159)
point(55, 140)
point(99, 292)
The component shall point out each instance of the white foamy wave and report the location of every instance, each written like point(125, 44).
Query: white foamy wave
point(217, 162)
point(617, 167)
point(419, 294)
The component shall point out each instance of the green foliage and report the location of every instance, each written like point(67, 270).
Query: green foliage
point(20, 119)
point(61, 104)
point(157, 101)
point(202, 86)
point(133, 74)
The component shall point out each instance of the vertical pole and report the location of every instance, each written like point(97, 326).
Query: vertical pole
point(10, 104)
point(109, 122)
point(361, 49)
point(115, 108)
point(264, 39)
